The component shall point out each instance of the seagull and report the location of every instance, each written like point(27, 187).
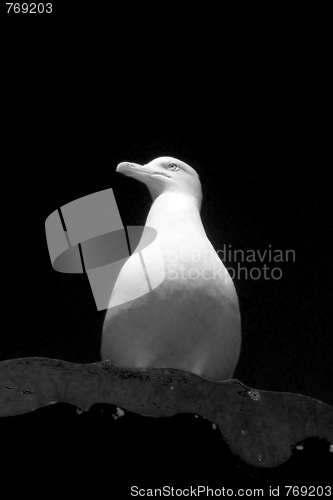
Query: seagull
point(191, 320)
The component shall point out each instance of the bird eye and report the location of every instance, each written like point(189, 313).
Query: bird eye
point(173, 166)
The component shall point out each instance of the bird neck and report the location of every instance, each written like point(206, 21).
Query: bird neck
point(179, 210)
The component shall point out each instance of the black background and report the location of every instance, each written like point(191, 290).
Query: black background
point(256, 125)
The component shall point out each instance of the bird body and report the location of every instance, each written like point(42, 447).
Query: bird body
point(191, 320)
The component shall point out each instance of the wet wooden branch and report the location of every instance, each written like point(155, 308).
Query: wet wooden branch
point(260, 427)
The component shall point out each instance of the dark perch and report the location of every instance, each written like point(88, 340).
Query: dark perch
point(260, 427)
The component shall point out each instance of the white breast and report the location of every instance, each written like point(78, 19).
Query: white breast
point(191, 320)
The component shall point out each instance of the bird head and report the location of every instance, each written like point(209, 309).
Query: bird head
point(165, 174)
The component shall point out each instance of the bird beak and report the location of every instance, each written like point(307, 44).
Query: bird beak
point(138, 171)
point(133, 170)
point(125, 167)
